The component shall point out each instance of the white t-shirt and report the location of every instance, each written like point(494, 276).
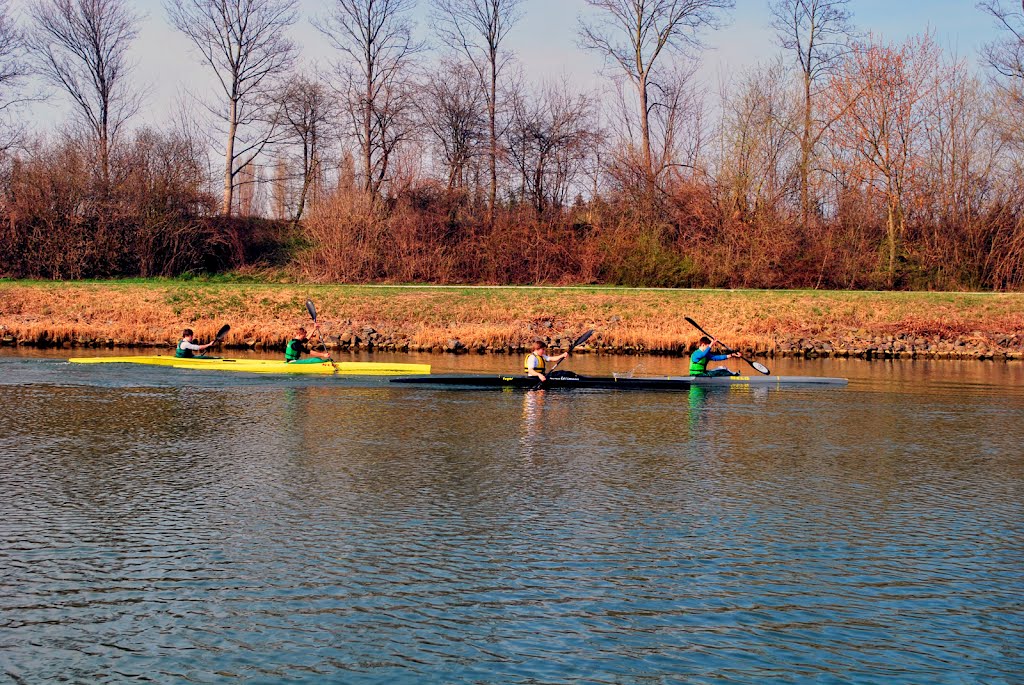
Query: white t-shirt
point(531, 361)
point(186, 345)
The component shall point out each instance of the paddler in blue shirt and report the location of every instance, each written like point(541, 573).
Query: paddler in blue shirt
point(702, 355)
point(535, 361)
point(298, 345)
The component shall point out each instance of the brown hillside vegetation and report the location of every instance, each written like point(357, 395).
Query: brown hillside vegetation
point(506, 319)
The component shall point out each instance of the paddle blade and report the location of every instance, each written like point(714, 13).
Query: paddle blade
point(582, 339)
point(697, 326)
point(761, 367)
point(311, 308)
point(222, 332)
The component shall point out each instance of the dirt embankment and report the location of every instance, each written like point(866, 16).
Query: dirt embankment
point(506, 320)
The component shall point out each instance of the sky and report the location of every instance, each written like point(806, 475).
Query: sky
point(545, 44)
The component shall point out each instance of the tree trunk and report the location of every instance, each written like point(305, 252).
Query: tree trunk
point(805, 158)
point(105, 160)
point(645, 128)
point(894, 234)
point(229, 159)
point(492, 108)
point(367, 148)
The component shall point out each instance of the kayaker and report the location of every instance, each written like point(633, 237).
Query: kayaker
point(298, 346)
point(703, 354)
point(536, 361)
point(186, 349)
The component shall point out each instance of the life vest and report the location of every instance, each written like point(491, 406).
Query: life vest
point(700, 367)
point(540, 362)
point(293, 350)
point(182, 353)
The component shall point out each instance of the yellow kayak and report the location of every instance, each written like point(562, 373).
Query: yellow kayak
point(264, 365)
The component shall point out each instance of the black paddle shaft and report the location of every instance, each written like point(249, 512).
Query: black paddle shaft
point(579, 341)
point(311, 308)
point(761, 368)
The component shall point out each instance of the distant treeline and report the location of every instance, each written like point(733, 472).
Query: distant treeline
point(845, 162)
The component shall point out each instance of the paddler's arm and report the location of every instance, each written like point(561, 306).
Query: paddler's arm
point(721, 357)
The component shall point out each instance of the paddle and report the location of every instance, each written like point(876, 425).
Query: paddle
point(311, 308)
point(579, 341)
point(221, 334)
point(761, 368)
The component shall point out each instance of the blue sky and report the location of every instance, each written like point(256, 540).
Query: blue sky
point(546, 45)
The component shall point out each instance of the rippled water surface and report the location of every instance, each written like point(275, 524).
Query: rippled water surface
point(176, 526)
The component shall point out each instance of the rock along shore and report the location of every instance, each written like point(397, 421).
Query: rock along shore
point(901, 346)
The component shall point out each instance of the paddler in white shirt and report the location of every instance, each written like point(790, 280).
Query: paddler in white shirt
point(536, 361)
point(186, 349)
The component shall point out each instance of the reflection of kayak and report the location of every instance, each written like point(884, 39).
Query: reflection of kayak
point(263, 365)
point(620, 382)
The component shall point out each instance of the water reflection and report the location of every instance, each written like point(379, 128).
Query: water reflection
point(204, 528)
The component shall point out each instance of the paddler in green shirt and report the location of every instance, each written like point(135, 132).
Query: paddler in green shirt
point(298, 346)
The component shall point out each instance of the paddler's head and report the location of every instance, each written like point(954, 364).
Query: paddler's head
point(186, 334)
point(704, 342)
point(300, 333)
point(539, 346)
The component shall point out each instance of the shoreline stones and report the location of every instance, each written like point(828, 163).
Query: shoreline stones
point(859, 344)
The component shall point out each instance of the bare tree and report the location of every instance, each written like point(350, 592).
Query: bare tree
point(454, 114)
point(245, 44)
point(882, 99)
point(817, 33)
point(549, 138)
point(376, 38)
point(757, 148)
point(306, 111)
point(81, 47)
point(478, 28)
point(1006, 55)
point(14, 69)
point(635, 36)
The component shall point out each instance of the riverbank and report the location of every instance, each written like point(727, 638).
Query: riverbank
point(507, 319)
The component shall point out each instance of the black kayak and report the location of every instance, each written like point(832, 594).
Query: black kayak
point(571, 381)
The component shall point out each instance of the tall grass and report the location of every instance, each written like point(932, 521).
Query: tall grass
point(651, 320)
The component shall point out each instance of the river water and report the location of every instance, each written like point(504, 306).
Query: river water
point(191, 527)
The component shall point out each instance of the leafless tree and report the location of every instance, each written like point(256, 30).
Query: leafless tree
point(454, 114)
point(757, 147)
point(307, 112)
point(375, 37)
point(817, 33)
point(1006, 55)
point(636, 36)
point(478, 28)
point(548, 138)
point(14, 70)
point(244, 42)
point(676, 130)
point(81, 47)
